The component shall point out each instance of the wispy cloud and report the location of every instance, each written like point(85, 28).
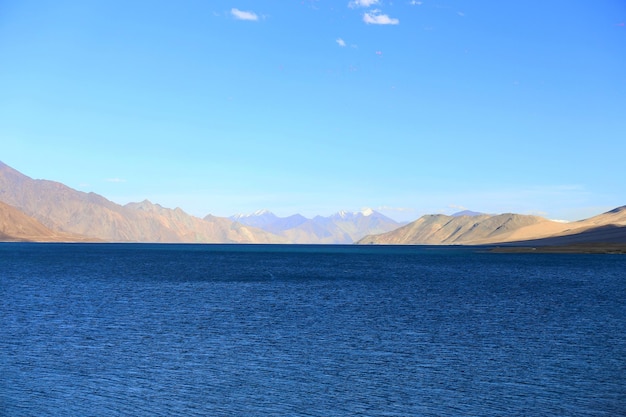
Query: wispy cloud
point(389, 208)
point(415, 3)
point(375, 17)
point(362, 3)
point(115, 180)
point(341, 42)
point(402, 214)
point(243, 15)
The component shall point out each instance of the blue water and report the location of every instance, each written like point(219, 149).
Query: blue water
point(218, 330)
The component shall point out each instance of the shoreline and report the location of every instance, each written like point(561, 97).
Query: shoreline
point(580, 248)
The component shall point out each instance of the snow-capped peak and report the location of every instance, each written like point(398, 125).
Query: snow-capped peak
point(350, 214)
point(343, 214)
point(257, 213)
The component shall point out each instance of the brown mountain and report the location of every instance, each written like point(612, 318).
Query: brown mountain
point(63, 209)
point(209, 229)
point(440, 229)
point(45, 210)
point(16, 226)
point(605, 233)
point(489, 229)
point(617, 217)
point(609, 227)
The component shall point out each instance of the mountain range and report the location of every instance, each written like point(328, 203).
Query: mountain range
point(43, 210)
point(71, 215)
point(482, 229)
point(342, 227)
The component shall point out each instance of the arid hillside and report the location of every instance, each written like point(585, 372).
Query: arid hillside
point(16, 226)
point(42, 210)
point(490, 229)
point(65, 210)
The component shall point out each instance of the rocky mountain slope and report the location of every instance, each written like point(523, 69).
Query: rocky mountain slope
point(16, 226)
point(63, 209)
point(609, 227)
point(489, 229)
point(42, 210)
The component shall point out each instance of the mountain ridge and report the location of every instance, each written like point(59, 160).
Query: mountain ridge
point(342, 227)
point(490, 229)
point(63, 209)
point(44, 210)
point(88, 215)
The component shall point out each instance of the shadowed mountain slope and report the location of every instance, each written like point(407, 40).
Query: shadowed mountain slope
point(609, 233)
point(440, 229)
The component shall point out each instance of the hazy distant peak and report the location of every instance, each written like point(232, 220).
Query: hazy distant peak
point(144, 202)
point(343, 214)
point(144, 205)
point(467, 213)
point(258, 213)
point(350, 214)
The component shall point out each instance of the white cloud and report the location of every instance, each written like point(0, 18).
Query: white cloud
point(341, 42)
point(415, 3)
point(362, 3)
point(243, 15)
point(375, 18)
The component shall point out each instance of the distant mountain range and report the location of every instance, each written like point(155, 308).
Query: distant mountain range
point(66, 214)
point(342, 227)
point(42, 210)
point(467, 213)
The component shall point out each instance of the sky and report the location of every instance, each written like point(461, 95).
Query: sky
point(408, 107)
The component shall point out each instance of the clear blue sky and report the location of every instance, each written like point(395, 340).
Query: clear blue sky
point(408, 107)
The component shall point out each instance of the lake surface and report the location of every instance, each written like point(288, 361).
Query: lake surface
point(251, 330)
